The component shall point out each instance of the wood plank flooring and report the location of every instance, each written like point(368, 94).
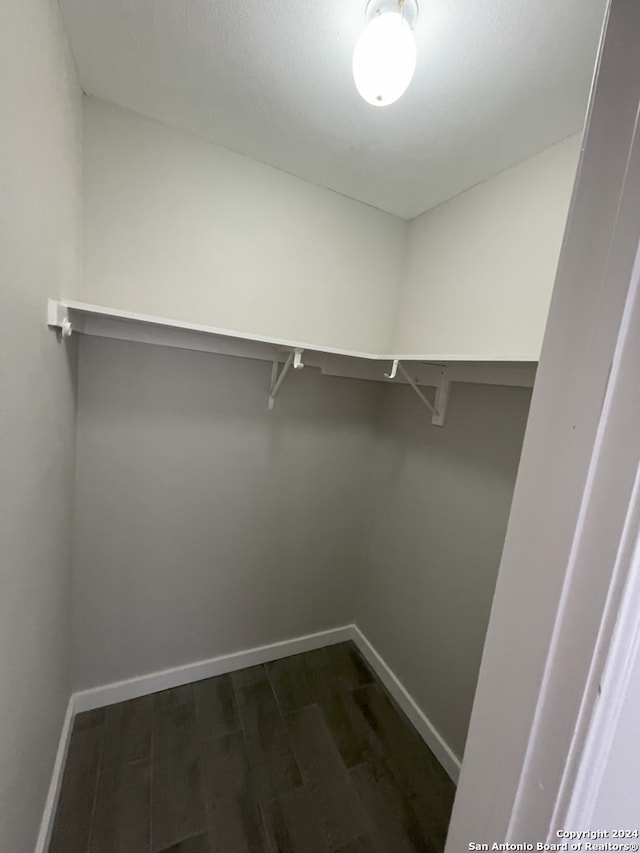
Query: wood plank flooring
point(307, 754)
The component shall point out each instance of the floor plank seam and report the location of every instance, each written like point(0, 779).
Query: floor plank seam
point(265, 829)
point(95, 789)
point(207, 807)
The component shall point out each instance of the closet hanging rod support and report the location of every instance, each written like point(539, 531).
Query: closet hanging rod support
point(294, 358)
point(58, 317)
point(441, 399)
point(415, 387)
point(439, 408)
point(394, 370)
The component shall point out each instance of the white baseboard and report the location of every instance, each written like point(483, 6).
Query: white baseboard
point(46, 824)
point(132, 688)
point(434, 740)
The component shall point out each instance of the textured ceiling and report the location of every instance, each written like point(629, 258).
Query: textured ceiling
point(497, 81)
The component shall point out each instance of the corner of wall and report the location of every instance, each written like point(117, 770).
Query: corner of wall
point(41, 177)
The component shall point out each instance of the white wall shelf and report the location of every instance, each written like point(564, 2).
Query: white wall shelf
point(70, 316)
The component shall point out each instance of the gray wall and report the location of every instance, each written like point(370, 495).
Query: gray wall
point(436, 536)
point(205, 523)
point(39, 216)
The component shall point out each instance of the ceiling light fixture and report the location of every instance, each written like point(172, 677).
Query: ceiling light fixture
point(384, 59)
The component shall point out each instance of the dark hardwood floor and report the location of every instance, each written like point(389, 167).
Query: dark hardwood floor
point(307, 754)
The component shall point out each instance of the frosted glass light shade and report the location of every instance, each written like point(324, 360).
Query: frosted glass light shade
point(384, 59)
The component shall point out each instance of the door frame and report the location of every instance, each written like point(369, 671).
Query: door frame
point(553, 669)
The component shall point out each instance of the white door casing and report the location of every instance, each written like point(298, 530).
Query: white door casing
point(559, 590)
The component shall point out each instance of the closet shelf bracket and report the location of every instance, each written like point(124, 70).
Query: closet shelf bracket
point(394, 370)
point(58, 317)
point(277, 378)
point(439, 407)
point(441, 399)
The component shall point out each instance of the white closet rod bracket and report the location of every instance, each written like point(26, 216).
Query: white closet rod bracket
point(394, 370)
point(297, 359)
point(414, 385)
point(439, 408)
point(294, 358)
point(441, 399)
point(58, 317)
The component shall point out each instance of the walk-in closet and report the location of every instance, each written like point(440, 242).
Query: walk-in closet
point(270, 345)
